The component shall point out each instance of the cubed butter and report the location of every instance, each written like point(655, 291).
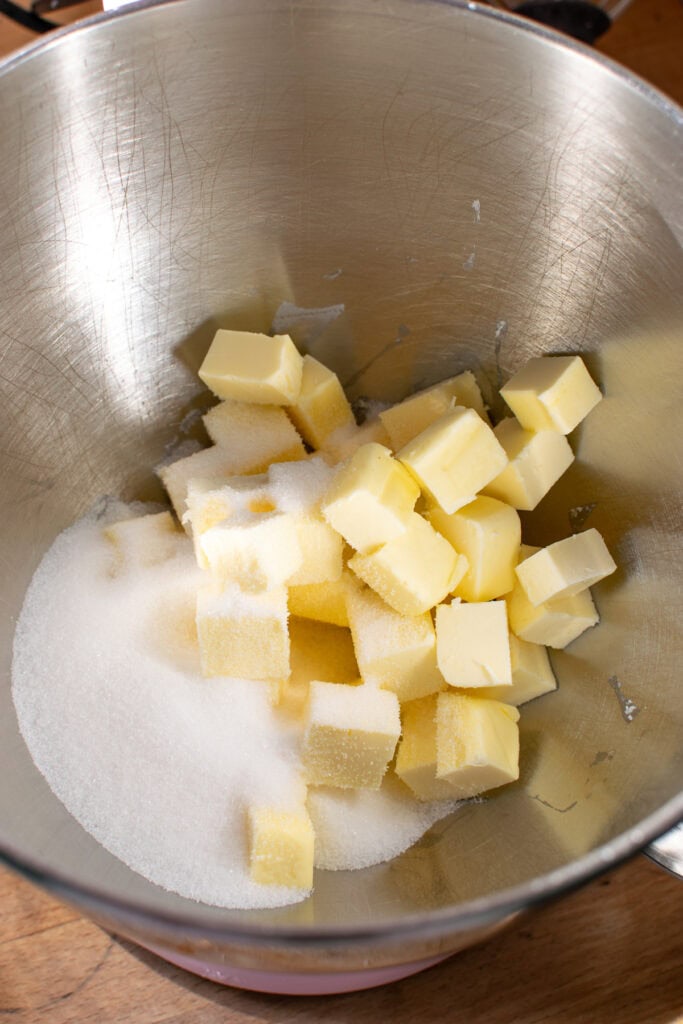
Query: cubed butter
point(553, 623)
point(414, 414)
point(397, 651)
point(370, 498)
point(322, 602)
point(210, 464)
point(142, 541)
point(300, 486)
point(259, 434)
point(317, 651)
point(321, 407)
point(488, 533)
point(350, 735)
point(210, 502)
point(472, 646)
point(565, 568)
point(258, 551)
point(552, 393)
point(477, 743)
point(532, 675)
point(280, 847)
point(242, 635)
point(413, 572)
point(454, 458)
point(249, 367)
point(416, 758)
point(321, 551)
point(536, 461)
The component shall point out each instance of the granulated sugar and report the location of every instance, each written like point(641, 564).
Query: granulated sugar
point(155, 761)
point(356, 828)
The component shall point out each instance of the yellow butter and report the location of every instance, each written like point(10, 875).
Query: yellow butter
point(321, 551)
point(242, 635)
point(472, 646)
point(565, 568)
point(532, 675)
point(552, 393)
point(321, 407)
point(213, 464)
point(322, 602)
point(477, 742)
point(488, 533)
point(257, 434)
point(553, 623)
point(536, 462)
point(350, 735)
point(317, 651)
point(405, 420)
point(454, 458)
point(281, 845)
point(142, 541)
point(416, 758)
point(413, 572)
point(370, 498)
point(258, 551)
point(397, 652)
point(253, 368)
point(210, 502)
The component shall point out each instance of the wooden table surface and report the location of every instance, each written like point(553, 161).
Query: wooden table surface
point(612, 952)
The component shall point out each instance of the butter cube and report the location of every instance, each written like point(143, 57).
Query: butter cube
point(142, 541)
point(210, 464)
point(253, 368)
point(416, 757)
point(287, 487)
point(552, 393)
point(532, 675)
point(454, 458)
point(536, 462)
point(553, 623)
point(210, 502)
point(317, 651)
point(370, 498)
point(258, 551)
point(242, 635)
point(322, 602)
point(488, 533)
point(321, 407)
point(565, 568)
point(472, 647)
point(300, 486)
point(321, 551)
point(477, 742)
point(413, 572)
point(414, 414)
point(280, 847)
point(350, 736)
point(397, 651)
point(346, 441)
point(258, 434)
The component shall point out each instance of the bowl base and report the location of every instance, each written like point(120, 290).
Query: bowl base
point(292, 984)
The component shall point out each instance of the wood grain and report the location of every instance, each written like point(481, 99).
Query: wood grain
point(612, 952)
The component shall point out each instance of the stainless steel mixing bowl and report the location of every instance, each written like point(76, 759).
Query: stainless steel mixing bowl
point(411, 189)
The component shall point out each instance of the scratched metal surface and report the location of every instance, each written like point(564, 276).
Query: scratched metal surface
point(411, 190)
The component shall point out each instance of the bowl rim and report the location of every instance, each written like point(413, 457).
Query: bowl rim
point(426, 925)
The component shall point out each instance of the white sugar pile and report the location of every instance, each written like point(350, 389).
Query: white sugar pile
point(155, 761)
point(351, 825)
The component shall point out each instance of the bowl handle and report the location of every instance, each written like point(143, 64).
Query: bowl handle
point(667, 851)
